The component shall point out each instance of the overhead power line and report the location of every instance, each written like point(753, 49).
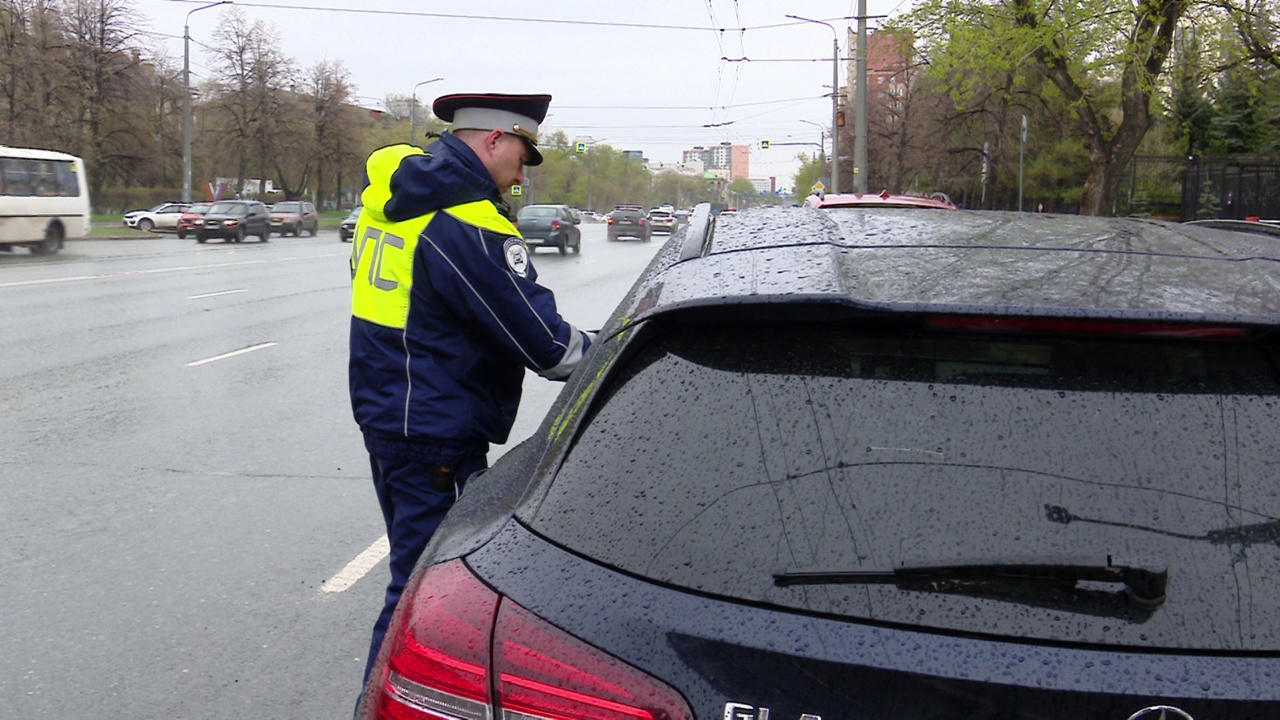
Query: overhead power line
point(501, 18)
point(689, 107)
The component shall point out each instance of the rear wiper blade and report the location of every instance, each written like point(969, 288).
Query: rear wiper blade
point(1144, 583)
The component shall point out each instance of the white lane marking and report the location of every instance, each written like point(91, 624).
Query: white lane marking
point(156, 271)
point(216, 294)
point(359, 567)
point(233, 353)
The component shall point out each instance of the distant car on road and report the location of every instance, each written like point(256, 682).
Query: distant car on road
point(628, 221)
point(549, 226)
point(191, 217)
point(663, 221)
point(348, 227)
point(164, 216)
point(234, 220)
point(294, 217)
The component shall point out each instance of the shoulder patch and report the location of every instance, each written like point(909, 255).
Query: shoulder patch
point(517, 256)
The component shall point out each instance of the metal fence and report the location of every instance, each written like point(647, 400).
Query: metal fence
point(1190, 188)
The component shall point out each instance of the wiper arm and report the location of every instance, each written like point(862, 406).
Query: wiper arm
point(1144, 583)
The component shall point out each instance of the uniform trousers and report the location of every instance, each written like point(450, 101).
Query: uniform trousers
point(413, 507)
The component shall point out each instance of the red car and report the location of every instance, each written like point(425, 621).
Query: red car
point(190, 217)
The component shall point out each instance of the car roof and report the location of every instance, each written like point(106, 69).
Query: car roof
point(937, 201)
point(895, 259)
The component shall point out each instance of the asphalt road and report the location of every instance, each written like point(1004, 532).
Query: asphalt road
point(180, 474)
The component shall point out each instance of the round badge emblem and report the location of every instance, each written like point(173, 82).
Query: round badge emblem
point(517, 256)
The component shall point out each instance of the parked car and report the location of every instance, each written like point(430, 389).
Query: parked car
point(936, 201)
point(164, 216)
point(294, 217)
point(628, 221)
point(191, 217)
point(549, 226)
point(882, 462)
point(234, 220)
point(662, 221)
point(347, 229)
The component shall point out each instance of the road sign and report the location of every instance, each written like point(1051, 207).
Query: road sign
point(764, 144)
point(819, 187)
point(516, 190)
point(580, 147)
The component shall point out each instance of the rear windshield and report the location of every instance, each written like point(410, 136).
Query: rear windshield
point(228, 208)
point(538, 212)
point(723, 454)
point(285, 207)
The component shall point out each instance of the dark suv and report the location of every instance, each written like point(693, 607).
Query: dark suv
point(883, 462)
point(233, 221)
point(629, 221)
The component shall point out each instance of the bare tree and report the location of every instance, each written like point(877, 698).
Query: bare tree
point(336, 139)
point(32, 60)
point(250, 93)
point(104, 64)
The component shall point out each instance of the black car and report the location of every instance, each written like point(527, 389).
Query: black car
point(347, 229)
point(550, 226)
point(883, 462)
point(233, 221)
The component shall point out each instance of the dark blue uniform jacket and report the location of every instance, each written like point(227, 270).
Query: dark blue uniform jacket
point(442, 379)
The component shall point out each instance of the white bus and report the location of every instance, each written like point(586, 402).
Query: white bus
point(44, 199)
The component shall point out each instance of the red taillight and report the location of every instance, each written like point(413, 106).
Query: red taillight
point(1085, 327)
point(436, 663)
point(640, 222)
point(555, 225)
point(546, 673)
point(610, 219)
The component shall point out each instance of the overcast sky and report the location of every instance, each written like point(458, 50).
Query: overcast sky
point(644, 75)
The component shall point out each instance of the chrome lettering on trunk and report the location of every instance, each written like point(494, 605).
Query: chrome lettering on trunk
point(739, 711)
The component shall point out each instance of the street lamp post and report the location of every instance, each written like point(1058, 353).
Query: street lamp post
point(589, 142)
point(822, 144)
point(835, 101)
point(186, 99)
point(413, 111)
point(860, 104)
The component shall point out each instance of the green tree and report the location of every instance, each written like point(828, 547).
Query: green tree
point(806, 176)
point(1104, 61)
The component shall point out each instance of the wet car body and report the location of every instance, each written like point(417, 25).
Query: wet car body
point(1011, 402)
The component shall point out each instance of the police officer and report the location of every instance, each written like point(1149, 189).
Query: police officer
point(446, 314)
